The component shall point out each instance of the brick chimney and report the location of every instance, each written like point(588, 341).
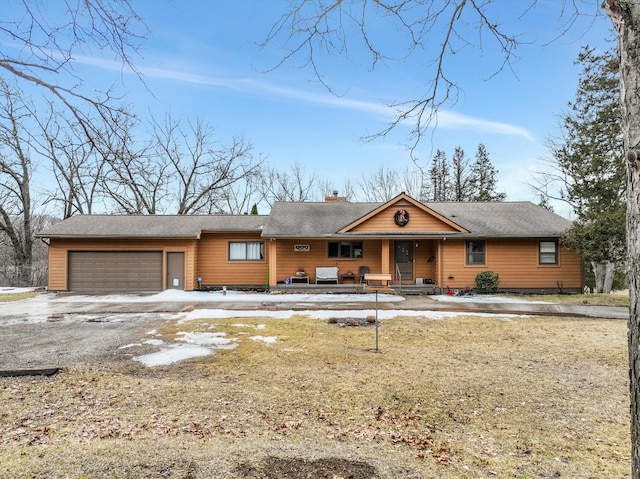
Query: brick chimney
point(334, 197)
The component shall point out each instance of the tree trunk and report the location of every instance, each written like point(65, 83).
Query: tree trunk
point(609, 273)
point(625, 15)
point(598, 274)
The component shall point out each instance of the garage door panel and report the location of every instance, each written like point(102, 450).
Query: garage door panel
point(105, 271)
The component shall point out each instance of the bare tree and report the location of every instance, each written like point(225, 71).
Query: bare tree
point(73, 160)
point(293, 185)
point(413, 182)
point(16, 170)
point(39, 45)
point(381, 185)
point(240, 197)
point(133, 179)
point(201, 172)
point(431, 32)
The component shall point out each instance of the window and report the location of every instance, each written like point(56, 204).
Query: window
point(345, 249)
point(548, 252)
point(475, 252)
point(246, 250)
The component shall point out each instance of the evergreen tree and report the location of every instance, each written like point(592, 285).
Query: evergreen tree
point(254, 209)
point(483, 178)
point(439, 177)
point(589, 157)
point(461, 177)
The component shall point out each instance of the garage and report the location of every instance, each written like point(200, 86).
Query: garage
point(115, 271)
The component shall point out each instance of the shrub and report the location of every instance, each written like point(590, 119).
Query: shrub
point(487, 281)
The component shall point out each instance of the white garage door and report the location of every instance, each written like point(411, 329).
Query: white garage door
point(115, 271)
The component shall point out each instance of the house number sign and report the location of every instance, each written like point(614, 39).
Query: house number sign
point(301, 248)
point(401, 217)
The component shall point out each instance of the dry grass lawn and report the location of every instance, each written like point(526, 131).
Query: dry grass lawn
point(475, 397)
point(620, 299)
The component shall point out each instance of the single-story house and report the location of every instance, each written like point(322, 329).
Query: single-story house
point(444, 244)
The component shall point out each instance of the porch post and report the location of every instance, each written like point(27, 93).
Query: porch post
point(273, 261)
point(385, 257)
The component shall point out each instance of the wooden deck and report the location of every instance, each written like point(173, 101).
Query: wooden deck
point(404, 289)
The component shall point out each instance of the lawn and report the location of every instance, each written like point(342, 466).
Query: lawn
point(6, 297)
point(467, 396)
point(618, 299)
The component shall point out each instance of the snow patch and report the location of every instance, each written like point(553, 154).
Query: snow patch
point(267, 339)
point(176, 353)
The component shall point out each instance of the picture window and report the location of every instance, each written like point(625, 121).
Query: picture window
point(345, 249)
point(246, 251)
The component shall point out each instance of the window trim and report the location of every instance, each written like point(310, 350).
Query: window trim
point(467, 253)
point(353, 247)
point(556, 253)
point(246, 251)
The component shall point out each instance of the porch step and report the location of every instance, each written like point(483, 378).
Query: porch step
point(415, 289)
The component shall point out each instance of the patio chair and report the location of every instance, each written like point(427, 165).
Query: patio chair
point(362, 270)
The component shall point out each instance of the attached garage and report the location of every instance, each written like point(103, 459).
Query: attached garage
point(115, 271)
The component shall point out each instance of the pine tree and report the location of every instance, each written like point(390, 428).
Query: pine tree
point(589, 157)
point(461, 177)
point(439, 177)
point(483, 178)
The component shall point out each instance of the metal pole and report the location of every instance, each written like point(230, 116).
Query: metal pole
point(376, 321)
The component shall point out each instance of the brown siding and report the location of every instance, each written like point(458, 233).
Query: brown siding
point(289, 260)
point(419, 221)
point(516, 261)
point(59, 249)
point(215, 268)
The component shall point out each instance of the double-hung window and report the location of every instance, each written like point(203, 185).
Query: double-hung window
point(246, 250)
point(476, 252)
point(548, 252)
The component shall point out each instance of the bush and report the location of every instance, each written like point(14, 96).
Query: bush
point(487, 281)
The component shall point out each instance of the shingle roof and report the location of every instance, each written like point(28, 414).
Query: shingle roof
point(481, 219)
point(325, 219)
point(503, 219)
point(313, 219)
point(150, 226)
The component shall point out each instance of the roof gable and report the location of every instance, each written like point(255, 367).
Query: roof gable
point(403, 214)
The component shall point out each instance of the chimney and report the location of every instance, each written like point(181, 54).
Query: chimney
point(335, 197)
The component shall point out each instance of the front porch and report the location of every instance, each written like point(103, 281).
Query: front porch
point(350, 288)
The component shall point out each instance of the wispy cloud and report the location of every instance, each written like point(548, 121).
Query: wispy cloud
point(258, 87)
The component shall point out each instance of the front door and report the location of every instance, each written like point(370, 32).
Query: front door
point(175, 270)
point(404, 260)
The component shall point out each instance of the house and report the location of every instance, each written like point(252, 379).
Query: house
point(443, 244)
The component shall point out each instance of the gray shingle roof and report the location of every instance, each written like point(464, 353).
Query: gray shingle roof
point(313, 219)
point(325, 219)
point(504, 219)
point(150, 226)
point(481, 219)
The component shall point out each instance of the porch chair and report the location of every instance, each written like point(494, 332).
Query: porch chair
point(362, 270)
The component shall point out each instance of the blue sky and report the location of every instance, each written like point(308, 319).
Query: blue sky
point(201, 60)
